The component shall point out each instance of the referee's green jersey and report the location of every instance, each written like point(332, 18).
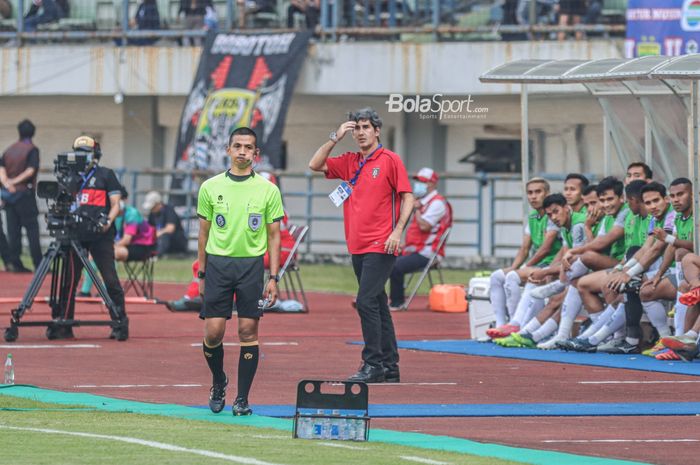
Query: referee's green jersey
point(239, 208)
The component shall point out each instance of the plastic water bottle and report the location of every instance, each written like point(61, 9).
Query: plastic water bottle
point(9, 377)
point(305, 428)
point(317, 430)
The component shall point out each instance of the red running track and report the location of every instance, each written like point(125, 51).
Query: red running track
point(164, 350)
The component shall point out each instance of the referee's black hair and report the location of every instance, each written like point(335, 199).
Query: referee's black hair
point(243, 131)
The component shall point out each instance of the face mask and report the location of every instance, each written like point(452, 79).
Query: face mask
point(122, 205)
point(420, 189)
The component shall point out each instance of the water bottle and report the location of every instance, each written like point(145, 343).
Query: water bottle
point(359, 430)
point(317, 430)
point(9, 370)
point(305, 428)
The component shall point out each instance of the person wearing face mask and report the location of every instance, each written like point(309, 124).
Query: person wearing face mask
point(431, 215)
point(97, 202)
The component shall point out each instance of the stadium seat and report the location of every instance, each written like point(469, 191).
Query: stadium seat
point(290, 268)
point(139, 276)
point(432, 265)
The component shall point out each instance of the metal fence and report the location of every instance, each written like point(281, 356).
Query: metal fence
point(488, 215)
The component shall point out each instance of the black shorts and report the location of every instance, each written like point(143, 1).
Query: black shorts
point(138, 252)
point(229, 276)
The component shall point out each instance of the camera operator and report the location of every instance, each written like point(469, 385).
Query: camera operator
point(98, 203)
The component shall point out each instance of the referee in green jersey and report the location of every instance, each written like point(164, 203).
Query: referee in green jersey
point(239, 214)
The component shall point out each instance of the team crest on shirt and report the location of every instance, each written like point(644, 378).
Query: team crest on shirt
point(220, 220)
point(254, 221)
point(375, 173)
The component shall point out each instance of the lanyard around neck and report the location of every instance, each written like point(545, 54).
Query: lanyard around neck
point(363, 162)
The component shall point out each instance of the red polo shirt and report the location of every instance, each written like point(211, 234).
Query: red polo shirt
point(373, 208)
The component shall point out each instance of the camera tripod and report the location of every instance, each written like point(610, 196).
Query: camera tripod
point(57, 260)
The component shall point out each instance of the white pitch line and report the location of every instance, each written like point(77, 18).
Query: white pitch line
point(49, 346)
point(341, 446)
point(411, 458)
point(121, 386)
point(640, 382)
point(413, 384)
point(264, 344)
point(153, 444)
point(613, 441)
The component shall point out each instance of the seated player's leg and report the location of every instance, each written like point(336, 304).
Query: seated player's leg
point(597, 261)
point(691, 271)
point(686, 345)
point(539, 327)
point(497, 294)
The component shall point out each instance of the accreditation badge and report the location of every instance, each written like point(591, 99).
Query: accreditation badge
point(340, 194)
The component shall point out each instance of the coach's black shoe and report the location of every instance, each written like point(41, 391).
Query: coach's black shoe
point(368, 374)
point(241, 408)
point(217, 396)
point(121, 332)
point(392, 375)
point(54, 332)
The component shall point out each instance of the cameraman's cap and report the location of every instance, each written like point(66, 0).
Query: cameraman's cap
point(152, 198)
point(84, 143)
point(426, 175)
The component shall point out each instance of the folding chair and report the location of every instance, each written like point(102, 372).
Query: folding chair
point(290, 269)
point(139, 276)
point(433, 264)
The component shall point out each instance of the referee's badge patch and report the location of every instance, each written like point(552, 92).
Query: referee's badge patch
point(375, 173)
point(220, 220)
point(254, 221)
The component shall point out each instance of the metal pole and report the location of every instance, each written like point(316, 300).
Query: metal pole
point(693, 157)
point(436, 17)
point(480, 211)
point(524, 146)
point(230, 10)
point(492, 215)
point(125, 21)
point(324, 15)
point(20, 19)
point(606, 146)
point(309, 208)
point(648, 143)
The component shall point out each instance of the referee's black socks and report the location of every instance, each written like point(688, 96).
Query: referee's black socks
point(247, 366)
point(215, 360)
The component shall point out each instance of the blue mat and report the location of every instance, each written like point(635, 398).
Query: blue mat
point(628, 362)
point(506, 410)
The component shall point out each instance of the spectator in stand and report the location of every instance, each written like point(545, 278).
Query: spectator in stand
point(146, 18)
point(194, 11)
point(570, 13)
point(593, 10)
point(44, 12)
point(311, 10)
point(136, 238)
point(5, 9)
point(169, 232)
point(211, 18)
point(252, 8)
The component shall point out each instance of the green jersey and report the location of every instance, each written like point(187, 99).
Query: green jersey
point(636, 228)
point(575, 234)
point(239, 208)
point(617, 248)
point(537, 227)
point(684, 228)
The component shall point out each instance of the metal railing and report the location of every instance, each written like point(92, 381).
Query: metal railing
point(441, 19)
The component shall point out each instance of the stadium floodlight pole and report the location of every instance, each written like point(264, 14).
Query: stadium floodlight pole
point(229, 14)
point(524, 145)
point(693, 158)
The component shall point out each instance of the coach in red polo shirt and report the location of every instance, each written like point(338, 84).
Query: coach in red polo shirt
point(377, 201)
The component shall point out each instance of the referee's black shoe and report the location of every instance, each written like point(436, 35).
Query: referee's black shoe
point(217, 396)
point(241, 408)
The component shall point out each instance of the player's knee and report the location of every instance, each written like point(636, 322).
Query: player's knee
point(683, 287)
point(513, 278)
point(688, 259)
point(247, 334)
point(646, 294)
point(497, 278)
point(588, 258)
point(680, 254)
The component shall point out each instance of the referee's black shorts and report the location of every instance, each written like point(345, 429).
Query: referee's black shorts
point(229, 276)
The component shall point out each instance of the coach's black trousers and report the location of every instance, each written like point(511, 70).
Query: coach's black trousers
point(372, 271)
point(23, 214)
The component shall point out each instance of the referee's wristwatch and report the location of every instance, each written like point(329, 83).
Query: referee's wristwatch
point(200, 274)
point(276, 277)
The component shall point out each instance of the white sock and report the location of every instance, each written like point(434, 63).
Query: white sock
point(601, 318)
point(657, 316)
point(679, 317)
point(532, 326)
point(594, 316)
point(569, 309)
point(616, 323)
point(620, 333)
point(497, 295)
point(545, 330)
point(512, 288)
point(522, 307)
point(692, 334)
point(577, 270)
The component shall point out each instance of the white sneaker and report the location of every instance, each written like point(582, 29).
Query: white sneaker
point(610, 344)
point(548, 290)
point(550, 343)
